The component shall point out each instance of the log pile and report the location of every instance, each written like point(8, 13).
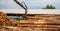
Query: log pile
point(41, 23)
point(34, 23)
point(5, 20)
point(6, 23)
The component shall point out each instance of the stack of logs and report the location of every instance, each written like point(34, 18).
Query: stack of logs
point(5, 20)
point(39, 22)
point(7, 24)
point(43, 22)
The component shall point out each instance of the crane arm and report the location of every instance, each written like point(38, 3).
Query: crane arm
point(20, 4)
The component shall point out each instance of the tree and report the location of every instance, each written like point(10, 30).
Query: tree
point(49, 7)
point(23, 6)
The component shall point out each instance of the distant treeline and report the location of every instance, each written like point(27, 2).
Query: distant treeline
point(49, 7)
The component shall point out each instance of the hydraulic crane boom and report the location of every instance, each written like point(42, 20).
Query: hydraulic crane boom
point(20, 4)
point(25, 8)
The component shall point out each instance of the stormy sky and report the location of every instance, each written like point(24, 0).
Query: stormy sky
point(31, 4)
